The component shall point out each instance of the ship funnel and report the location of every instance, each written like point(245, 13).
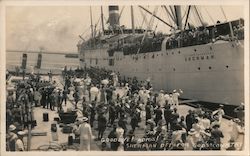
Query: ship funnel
point(114, 16)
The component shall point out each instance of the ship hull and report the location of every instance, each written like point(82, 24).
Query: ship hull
point(212, 73)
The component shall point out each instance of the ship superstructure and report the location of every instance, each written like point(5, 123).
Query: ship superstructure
point(206, 62)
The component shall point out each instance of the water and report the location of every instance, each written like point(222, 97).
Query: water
point(54, 62)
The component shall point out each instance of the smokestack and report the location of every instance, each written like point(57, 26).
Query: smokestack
point(114, 16)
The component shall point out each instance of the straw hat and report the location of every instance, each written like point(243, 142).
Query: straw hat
point(192, 132)
point(174, 90)
point(237, 120)
point(84, 119)
point(22, 133)
point(12, 128)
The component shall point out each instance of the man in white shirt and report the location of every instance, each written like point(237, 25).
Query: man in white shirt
point(176, 97)
point(219, 112)
point(19, 142)
point(85, 133)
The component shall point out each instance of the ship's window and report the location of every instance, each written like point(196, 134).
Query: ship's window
point(227, 66)
point(210, 67)
point(173, 69)
point(153, 56)
point(189, 59)
point(194, 49)
point(202, 57)
point(212, 56)
point(207, 57)
point(156, 54)
point(179, 52)
point(96, 61)
point(211, 48)
point(199, 68)
point(197, 58)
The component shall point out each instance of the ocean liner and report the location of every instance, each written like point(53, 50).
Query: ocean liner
point(206, 62)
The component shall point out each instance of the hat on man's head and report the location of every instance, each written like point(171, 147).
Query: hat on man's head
point(12, 128)
point(237, 120)
point(21, 133)
point(221, 105)
point(192, 132)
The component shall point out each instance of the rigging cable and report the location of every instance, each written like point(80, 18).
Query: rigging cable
point(144, 20)
point(169, 14)
point(222, 10)
point(151, 19)
point(210, 16)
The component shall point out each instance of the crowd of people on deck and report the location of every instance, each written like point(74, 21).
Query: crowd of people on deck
point(139, 117)
point(190, 37)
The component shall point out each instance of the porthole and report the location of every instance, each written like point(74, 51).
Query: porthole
point(207, 57)
point(173, 69)
point(194, 49)
point(211, 48)
point(227, 66)
point(144, 57)
point(197, 58)
point(210, 68)
point(179, 52)
point(199, 68)
point(153, 56)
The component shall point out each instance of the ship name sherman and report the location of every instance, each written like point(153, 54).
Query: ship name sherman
point(198, 57)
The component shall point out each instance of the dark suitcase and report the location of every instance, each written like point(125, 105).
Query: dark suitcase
point(45, 117)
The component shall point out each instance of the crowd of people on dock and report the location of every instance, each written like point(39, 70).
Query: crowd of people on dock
point(139, 117)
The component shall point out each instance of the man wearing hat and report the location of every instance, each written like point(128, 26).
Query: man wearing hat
point(219, 112)
point(217, 134)
point(237, 132)
point(19, 141)
point(85, 134)
point(176, 97)
point(11, 138)
point(191, 140)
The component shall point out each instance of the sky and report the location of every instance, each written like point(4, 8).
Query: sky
point(57, 28)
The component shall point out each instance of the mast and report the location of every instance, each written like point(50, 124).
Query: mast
point(91, 23)
point(102, 20)
point(189, 7)
point(132, 20)
point(177, 9)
